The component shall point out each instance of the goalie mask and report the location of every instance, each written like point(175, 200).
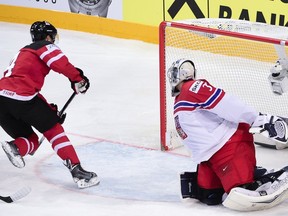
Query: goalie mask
point(180, 70)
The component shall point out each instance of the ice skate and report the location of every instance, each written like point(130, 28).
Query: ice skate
point(80, 176)
point(13, 154)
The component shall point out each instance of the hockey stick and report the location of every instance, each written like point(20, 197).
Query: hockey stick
point(17, 195)
point(61, 112)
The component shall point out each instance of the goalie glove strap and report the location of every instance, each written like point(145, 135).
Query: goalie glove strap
point(271, 129)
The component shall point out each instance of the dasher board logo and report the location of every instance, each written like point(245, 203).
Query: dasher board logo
point(90, 7)
point(100, 8)
point(273, 12)
point(178, 4)
point(196, 86)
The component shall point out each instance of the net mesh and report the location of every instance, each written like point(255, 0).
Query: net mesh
point(240, 66)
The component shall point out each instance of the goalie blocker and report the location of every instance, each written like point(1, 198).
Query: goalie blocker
point(268, 190)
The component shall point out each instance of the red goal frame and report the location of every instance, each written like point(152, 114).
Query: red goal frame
point(162, 67)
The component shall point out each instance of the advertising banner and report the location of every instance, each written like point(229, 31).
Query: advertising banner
point(102, 8)
point(152, 12)
point(148, 12)
point(273, 12)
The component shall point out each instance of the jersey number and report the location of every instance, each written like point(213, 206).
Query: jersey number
point(8, 71)
point(208, 86)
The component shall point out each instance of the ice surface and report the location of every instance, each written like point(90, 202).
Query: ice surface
point(114, 128)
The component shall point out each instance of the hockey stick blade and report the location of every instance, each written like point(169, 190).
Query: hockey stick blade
point(17, 195)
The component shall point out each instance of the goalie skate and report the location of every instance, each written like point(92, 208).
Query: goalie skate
point(82, 177)
point(266, 196)
point(12, 153)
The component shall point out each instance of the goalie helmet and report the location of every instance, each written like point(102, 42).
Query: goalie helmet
point(41, 29)
point(180, 70)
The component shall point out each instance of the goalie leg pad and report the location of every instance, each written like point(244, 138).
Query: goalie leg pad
point(188, 184)
point(266, 196)
point(191, 189)
point(236, 200)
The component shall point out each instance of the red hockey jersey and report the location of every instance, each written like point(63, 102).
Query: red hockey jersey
point(25, 75)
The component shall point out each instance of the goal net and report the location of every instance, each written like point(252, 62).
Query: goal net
point(231, 54)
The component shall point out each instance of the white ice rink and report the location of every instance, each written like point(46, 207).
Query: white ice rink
point(119, 114)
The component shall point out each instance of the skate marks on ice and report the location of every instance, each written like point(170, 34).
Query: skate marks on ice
point(125, 172)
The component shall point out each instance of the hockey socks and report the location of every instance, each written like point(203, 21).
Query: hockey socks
point(61, 144)
point(27, 145)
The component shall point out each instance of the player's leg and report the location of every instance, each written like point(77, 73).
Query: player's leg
point(65, 150)
point(19, 147)
point(203, 185)
point(235, 162)
point(25, 139)
point(45, 120)
point(235, 165)
point(210, 186)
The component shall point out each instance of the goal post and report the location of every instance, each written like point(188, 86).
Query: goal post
point(231, 54)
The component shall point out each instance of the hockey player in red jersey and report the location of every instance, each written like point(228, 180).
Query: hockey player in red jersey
point(23, 107)
point(215, 126)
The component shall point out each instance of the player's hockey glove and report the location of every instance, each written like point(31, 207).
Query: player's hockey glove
point(61, 117)
point(82, 86)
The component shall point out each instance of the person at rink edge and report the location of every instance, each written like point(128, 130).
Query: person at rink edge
point(215, 126)
point(23, 107)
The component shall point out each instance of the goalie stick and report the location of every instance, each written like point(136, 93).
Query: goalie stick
point(17, 195)
point(61, 112)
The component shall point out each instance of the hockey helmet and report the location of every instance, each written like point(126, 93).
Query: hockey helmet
point(180, 70)
point(41, 29)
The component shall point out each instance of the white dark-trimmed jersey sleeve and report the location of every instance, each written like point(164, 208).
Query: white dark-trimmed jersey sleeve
point(235, 110)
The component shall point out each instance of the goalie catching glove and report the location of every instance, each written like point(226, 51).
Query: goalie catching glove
point(81, 86)
point(272, 127)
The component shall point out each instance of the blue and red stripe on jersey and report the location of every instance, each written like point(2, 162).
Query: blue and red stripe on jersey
point(211, 102)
